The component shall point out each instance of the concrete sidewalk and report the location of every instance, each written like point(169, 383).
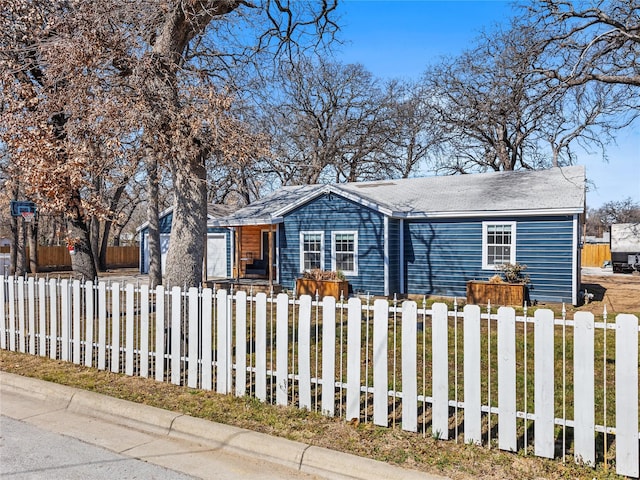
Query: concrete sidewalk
point(134, 429)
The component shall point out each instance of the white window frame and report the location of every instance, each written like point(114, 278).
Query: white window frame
point(334, 267)
point(302, 251)
point(485, 247)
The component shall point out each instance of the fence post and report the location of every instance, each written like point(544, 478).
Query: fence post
point(89, 322)
point(129, 330)
point(115, 327)
point(22, 329)
point(472, 384)
point(31, 304)
point(144, 331)
point(193, 338)
point(65, 320)
point(261, 346)
point(12, 312)
point(42, 296)
point(53, 319)
point(3, 314)
point(207, 339)
point(77, 334)
point(241, 344)
point(160, 330)
point(102, 326)
point(176, 335)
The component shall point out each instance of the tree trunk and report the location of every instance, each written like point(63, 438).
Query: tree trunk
point(94, 236)
point(153, 216)
point(82, 261)
point(32, 236)
point(189, 225)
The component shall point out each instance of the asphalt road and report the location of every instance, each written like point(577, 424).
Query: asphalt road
point(30, 452)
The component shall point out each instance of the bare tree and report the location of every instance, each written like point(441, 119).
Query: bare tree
point(623, 211)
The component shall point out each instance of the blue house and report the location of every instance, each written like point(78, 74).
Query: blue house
point(420, 235)
point(218, 247)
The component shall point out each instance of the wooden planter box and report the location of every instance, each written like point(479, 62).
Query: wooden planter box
point(500, 294)
point(324, 288)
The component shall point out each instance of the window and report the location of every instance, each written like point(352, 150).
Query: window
point(498, 244)
point(344, 252)
point(311, 250)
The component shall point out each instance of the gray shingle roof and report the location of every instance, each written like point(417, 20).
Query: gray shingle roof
point(557, 190)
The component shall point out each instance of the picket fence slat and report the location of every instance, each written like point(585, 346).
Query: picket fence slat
point(472, 381)
point(409, 367)
point(584, 390)
point(380, 362)
point(207, 339)
point(353, 357)
point(544, 384)
point(627, 454)
point(193, 340)
point(440, 347)
point(304, 353)
point(328, 356)
point(261, 347)
point(507, 428)
point(169, 335)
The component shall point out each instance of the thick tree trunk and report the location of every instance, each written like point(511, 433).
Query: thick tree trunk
point(186, 249)
point(82, 261)
point(153, 217)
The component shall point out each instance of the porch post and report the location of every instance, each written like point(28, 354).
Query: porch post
point(270, 256)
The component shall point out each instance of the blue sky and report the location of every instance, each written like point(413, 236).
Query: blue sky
point(398, 39)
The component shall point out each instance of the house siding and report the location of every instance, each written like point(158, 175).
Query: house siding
point(329, 213)
point(394, 256)
point(441, 256)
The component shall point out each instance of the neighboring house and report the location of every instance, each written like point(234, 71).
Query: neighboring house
point(420, 235)
point(218, 246)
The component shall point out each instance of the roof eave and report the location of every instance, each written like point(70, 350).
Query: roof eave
point(488, 213)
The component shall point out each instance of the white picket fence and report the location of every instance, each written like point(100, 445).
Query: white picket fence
point(464, 375)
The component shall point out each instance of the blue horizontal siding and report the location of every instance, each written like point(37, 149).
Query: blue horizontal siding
point(329, 213)
point(441, 256)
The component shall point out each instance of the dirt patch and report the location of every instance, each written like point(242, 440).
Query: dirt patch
point(619, 293)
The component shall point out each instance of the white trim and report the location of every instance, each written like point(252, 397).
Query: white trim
point(486, 214)
point(353, 272)
point(401, 247)
point(386, 256)
point(512, 253)
point(301, 246)
point(574, 261)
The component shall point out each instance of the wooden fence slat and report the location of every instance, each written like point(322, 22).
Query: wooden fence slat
point(3, 314)
point(160, 330)
point(583, 388)
point(65, 320)
point(22, 329)
point(440, 381)
point(31, 314)
point(472, 381)
point(354, 342)
point(42, 317)
point(193, 337)
point(544, 383)
point(12, 313)
point(53, 319)
point(222, 353)
point(409, 366)
point(207, 339)
point(261, 347)
point(328, 356)
point(144, 331)
point(176, 336)
point(115, 327)
point(241, 344)
point(380, 362)
point(77, 333)
point(102, 326)
point(304, 352)
point(507, 438)
point(129, 330)
point(627, 454)
point(282, 349)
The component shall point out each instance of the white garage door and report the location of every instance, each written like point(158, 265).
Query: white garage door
point(216, 255)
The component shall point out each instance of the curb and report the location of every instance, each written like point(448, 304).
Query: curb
point(291, 454)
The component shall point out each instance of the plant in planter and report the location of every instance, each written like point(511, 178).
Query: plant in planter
point(505, 288)
point(323, 283)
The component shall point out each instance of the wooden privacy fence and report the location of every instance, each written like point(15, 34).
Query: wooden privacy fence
point(595, 254)
point(58, 257)
point(541, 385)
